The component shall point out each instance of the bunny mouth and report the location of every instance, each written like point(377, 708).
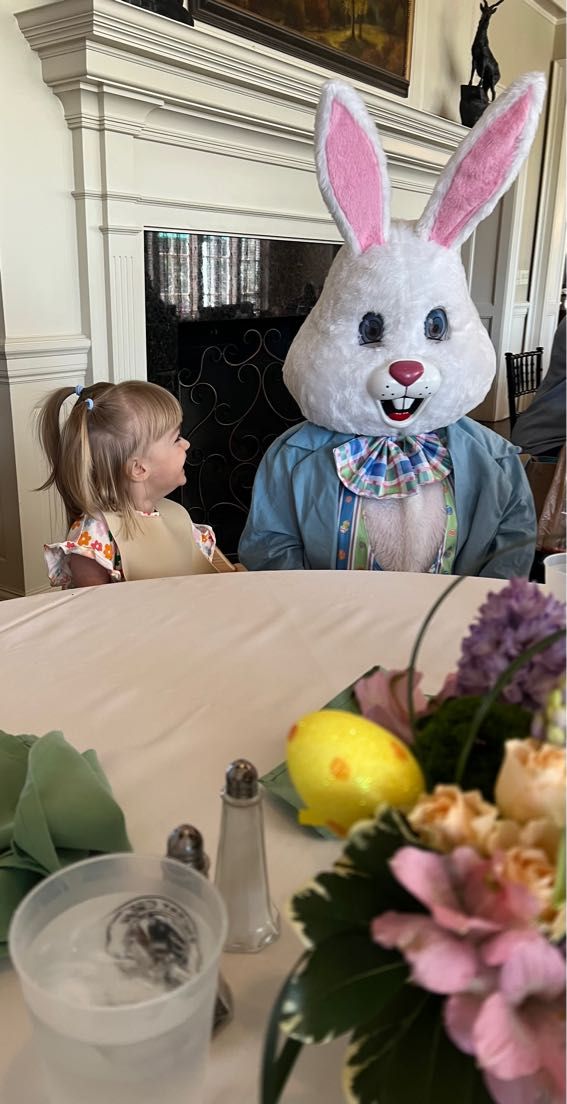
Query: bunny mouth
point(400, 410)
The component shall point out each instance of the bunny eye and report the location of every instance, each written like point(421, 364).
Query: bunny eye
point(371, 328)
point(436, 324)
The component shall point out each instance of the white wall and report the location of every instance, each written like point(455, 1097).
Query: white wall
point(39, 290)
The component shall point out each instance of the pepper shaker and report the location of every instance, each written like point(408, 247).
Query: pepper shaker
point(241, 874)
point(185, 844)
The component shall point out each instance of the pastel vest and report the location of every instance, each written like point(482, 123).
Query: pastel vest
point(160, 546)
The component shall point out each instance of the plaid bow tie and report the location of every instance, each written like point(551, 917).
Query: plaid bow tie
point(383, 467)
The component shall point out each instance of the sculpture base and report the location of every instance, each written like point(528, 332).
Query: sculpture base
point(173, 9)
point(474, 102)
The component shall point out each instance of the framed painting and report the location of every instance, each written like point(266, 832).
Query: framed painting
point(366, 39)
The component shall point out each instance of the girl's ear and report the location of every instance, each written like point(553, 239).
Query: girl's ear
point(351, 167)
point(485, 164)
point(136, 470)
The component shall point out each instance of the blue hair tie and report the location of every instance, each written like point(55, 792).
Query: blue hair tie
point(78, 389)
point(89, 404)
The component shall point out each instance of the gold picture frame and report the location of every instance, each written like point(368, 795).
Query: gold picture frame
point(367, 39)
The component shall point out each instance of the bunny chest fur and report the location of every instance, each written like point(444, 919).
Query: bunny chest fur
point(405, 533)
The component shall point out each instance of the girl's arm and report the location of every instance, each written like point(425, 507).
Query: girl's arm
point(86, 572)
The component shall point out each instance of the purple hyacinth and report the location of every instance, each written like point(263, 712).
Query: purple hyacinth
point(508, 623)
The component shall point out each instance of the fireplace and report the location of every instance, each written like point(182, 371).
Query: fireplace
point(221, 313)
point(163, 128)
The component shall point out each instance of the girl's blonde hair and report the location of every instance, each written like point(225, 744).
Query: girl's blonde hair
point(108, 425)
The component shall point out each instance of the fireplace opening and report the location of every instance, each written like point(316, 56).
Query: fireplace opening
point(221, 313)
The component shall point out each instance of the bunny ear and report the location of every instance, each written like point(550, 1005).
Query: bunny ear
point(351, 167)
point(485, 164)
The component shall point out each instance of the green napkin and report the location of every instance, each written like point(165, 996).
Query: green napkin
point(56, 808)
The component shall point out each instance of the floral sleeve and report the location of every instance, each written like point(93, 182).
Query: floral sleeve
point(205, 539)
point(87, 537)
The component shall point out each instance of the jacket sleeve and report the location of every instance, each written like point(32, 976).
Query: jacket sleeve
point(271, 540)
point(513, 547)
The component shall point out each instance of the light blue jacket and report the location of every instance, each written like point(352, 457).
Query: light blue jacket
point(293, 517)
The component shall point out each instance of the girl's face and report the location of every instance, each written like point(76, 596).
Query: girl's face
point(165, 463)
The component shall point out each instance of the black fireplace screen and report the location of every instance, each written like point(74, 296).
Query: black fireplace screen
point(221, 313)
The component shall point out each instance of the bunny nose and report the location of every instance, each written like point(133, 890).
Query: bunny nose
point(406, 372)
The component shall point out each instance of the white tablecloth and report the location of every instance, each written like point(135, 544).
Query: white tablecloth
point(171, 679)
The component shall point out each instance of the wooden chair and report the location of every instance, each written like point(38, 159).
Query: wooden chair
point(523, 375)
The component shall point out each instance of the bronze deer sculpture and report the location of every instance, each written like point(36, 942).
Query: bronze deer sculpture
point(483, 60)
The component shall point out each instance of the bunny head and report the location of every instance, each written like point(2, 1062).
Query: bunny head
point(394, 344)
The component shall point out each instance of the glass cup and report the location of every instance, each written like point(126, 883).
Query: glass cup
point(556, 574)
point(106, 1028)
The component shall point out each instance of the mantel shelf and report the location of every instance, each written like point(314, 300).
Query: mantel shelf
point(194, 70)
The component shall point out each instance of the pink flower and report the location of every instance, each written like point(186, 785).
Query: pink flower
point(479, 946)
point(383, 698)
point(517, 1031)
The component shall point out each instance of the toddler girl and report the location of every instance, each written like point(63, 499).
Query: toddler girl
point(116, 457)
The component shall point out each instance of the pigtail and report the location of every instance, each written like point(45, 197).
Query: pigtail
point(49, 431)
point(68, 451)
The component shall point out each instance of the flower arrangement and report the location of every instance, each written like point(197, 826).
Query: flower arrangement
point(437, 939)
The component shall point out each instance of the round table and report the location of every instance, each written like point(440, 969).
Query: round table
point(169, 680)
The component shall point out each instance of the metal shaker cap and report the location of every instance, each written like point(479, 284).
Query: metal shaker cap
point(186, 845)
point(241, 780)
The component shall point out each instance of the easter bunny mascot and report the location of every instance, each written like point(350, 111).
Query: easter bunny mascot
point(387, 473)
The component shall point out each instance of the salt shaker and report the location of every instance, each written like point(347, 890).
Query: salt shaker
point(241, 875)
point(186, 845)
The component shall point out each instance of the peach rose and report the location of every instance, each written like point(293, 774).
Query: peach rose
point(531, 868)
point(449, 818)
point(531, 782)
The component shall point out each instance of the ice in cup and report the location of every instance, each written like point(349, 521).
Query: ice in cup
point(118, 960)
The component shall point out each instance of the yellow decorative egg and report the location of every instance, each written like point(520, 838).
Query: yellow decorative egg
point(343, 766)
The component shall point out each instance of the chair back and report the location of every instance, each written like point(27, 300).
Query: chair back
point(523, 375)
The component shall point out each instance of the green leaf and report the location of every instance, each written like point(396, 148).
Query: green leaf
point(343, 982)
point(442, 737)
point(361, 885)
point(404, 1056)
point(276, 1068)
point(374, 842)
point(346, 701)
point(336, 903)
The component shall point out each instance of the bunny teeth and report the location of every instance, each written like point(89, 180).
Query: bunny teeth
point(400, 409)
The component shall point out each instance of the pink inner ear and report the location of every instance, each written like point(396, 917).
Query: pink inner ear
point(355, 177)
point(481, 173)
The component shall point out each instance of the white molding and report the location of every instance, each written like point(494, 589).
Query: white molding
point(505, 286)
point(58, 345)
point(185, 68)
point(550, 235)
point(7, 594)
point(552, 10)
point(140, 91)
point(56, 359)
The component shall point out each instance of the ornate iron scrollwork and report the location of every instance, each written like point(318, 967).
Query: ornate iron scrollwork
point(234, 405)
point(221, 313)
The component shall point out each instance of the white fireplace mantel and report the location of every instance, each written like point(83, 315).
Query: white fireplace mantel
point(185, 128)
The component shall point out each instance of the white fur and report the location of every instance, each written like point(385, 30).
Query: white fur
point(405, 533)
point(337, 381)
point(535, 83)
point(344, 94)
